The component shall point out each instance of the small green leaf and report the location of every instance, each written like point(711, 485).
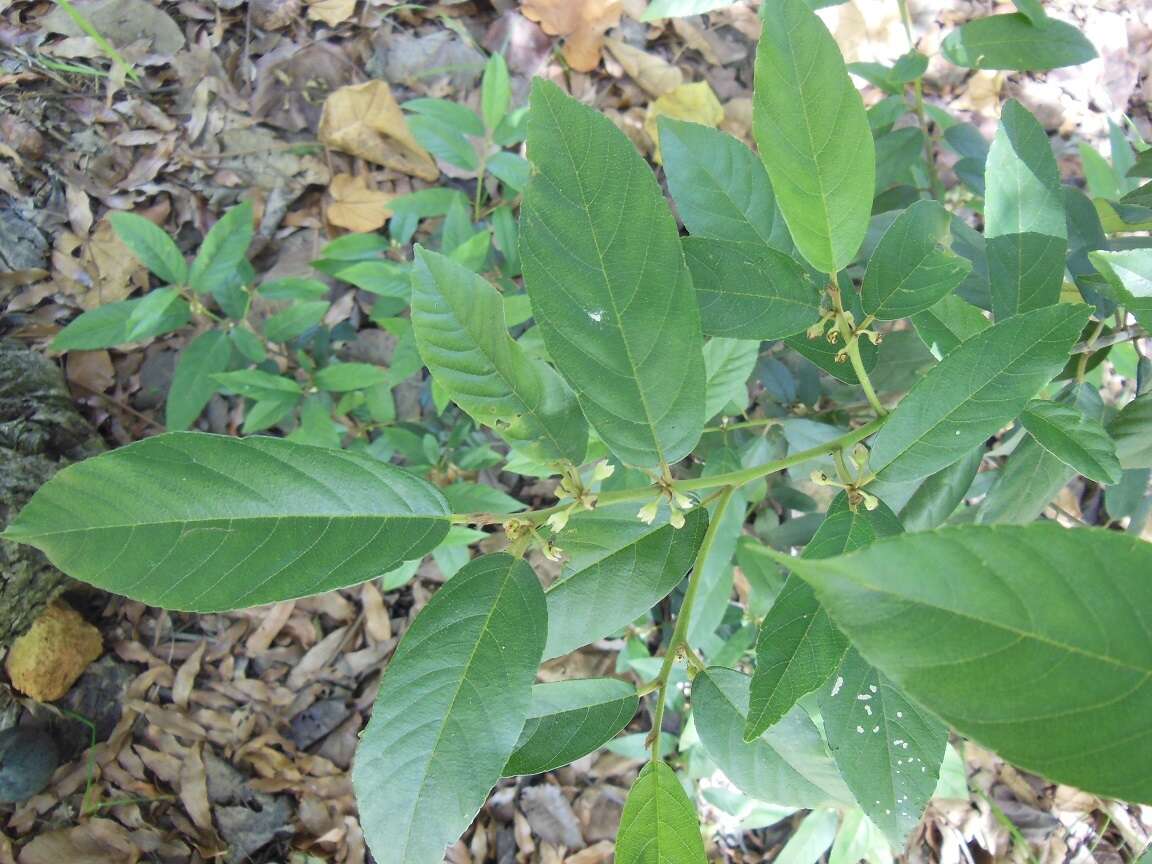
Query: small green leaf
point(788, 764)
point(450, 709)
point(207, 523)
point(749, 291)
point(511, 170)
point(296, 320)
point(676, 8)
point(947, 323)
point(193, 383)
point(343, 377)
point(1024, 220)
point(913, 266)
point(458, 319)
point(659, 823)
point(110, 325)
point(154, 313)
point(294, 288)
point(465, 497)
point(887, 748)
point(979, 387)
point(248, 344)
point(813, 135)
point(223, 250)
point(1129, 272)
point(152, 245)
point(954, 617)
point(1078, 442)
point(1132, 432)
point(570, 719)
point(618, 568)
point(720, 186)
point(798, 648)
point(265, 413)
point(728, 364)
point(609, 287)
point(495, 91)
point(938, 495)
point(257, 384)
point(1013, 42)
point(1033, 10)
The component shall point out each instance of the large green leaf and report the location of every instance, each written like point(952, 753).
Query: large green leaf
point(914, 266)
point(1013, 42)
point(659, 823)
point(1024, 220)
point(458, 319)
point(570, 719)
point(981, 385)
point(206, 522)
point(450, 709)
point(888, 749)
point(1132, 431)
point(1032, 640)
point(192, 382)
point(609, 287)
point(728, 364)
point(948, 323)
point(113, 324)
point(152, 245)
point(618, 568)
point(798, 648)
point(813, 135)
point(749, 291)
point(720, 186)
point(788, 764)
point(1077, 441)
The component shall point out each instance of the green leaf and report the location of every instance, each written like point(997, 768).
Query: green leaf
point(947, 323)
point(1031, 640)
point(248, 344)
point(113, 324)
point(495, 91)
point(223, 249)
point(748, 291)
point(618, 568)
point(1033, 10)
point(676, 8)
point(256, 384)
point(888, 749)
point(570, 719)
point(728, 364)
point(1078, 442)
point(979, 387)
point(192, 382)
point(478, 498)
point(798, 648)
point(294, 288)
point(207, 523)
point(296, 320)
point(458, 319)
point(938, 495)
point(451, 706)
point(343, 377)
point(788, 764)
point(609, 287)
point(1024, 220)
point(155, 313)
point(659, 824)
point(511, 170)
point(1129, 272)
point(720, 186)
point(1013, 42)
point(1132, 432)
point(813, 135)
point(914, 266)
point(266, 413)
point(152, 245)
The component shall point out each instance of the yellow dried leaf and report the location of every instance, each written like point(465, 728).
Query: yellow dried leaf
point(656, 75)
point(114, 272)
point(97, 841)
point(693, 102)
point(364, 120)
point(356, 207)
point(331, 12)
point(45, 662)
point(582, 23)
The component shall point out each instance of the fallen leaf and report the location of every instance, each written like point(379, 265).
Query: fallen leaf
point(364, 120)
point(45, 662)
point(582, 24)
point(97, 841)
point(121, 22)
point(694, 102)
point(656, 75)
point(91, 370)
point(355, 206)
point(111, 267)
point(331, 12)
point(194, 789)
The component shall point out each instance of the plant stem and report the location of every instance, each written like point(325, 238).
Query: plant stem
point(683, 619)
point(852, 347)
point(918, 91)
point(1082, 363)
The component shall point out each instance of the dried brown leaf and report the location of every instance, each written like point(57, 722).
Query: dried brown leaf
point(582, 23)
point(355, 206)
point(186, 676)
point(331, 12)
point(655, 74)
point(97, 841)
point(364, 120)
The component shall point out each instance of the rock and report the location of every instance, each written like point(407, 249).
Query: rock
point(316, 722)
point(45, 662)
point(28, 756)
point(550, 816)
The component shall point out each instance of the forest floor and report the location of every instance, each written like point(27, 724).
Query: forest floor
point(229, 737)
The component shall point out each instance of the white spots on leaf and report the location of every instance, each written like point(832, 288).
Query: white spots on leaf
point(872, 687)
point(860, 730)
point(596, 315)
point(839, 683)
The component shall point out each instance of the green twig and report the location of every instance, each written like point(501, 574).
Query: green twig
point(679, 638)
point(107, 47)
point(921, 117)
point(851, 339)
